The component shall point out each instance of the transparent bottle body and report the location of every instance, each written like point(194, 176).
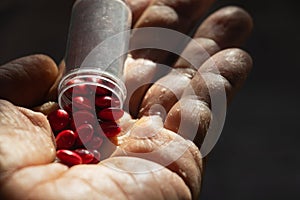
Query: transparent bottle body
point(97, 46)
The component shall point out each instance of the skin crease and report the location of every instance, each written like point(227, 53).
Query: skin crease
point(27, 148)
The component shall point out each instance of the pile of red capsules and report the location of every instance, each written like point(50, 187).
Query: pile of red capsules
point(82, 126)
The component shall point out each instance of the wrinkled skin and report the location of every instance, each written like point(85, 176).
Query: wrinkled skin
point(27, 148)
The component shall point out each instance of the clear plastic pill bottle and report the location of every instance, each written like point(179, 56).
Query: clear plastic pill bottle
point(96, 50)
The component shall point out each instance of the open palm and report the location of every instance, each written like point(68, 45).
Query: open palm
point(27, 148)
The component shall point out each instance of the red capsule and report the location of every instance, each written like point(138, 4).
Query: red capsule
point(97, 154)
point(86, 156)
point(110, 129)
point(65, 139)
point(98, 90)
point(107, 83)
point(82, 103)
point(78, 142)
point(83, 117)
point(69, 109)
point(110, 114)
point(72, 125)
point(85, 132)
point(74, 81)
point(94, 161)
point(79, 89)
point(59, 119)
point(99, 130)
point(102, 91)
point(106, 101)
point(68, 157)
point(100, 81)
point(95, 143)
point(93, 79)
point(92, 89)
point(97, 157)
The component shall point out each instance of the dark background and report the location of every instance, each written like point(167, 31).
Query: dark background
point(256, 156)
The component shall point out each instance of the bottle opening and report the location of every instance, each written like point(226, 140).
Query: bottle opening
point(91, 87)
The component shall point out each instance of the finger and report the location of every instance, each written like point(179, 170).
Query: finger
point(164, 93)
point(136, 85)
point(26, 81)
point(196, 53)
point(26, 138)
point(193, 112)
point(176, 15)
point(137, 7)
point(148, 139)
point(231, 65)
point(228, 27)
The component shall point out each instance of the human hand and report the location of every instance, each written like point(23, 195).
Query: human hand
point(27, 146)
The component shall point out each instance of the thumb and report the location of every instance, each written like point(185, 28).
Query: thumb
point(27, 80)
point(26, 138)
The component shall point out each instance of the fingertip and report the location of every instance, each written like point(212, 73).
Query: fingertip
point(137, 85)
point(164, 93)
point(196, 53)
point(234, 64)
point(190, 117)
point(229, 26)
